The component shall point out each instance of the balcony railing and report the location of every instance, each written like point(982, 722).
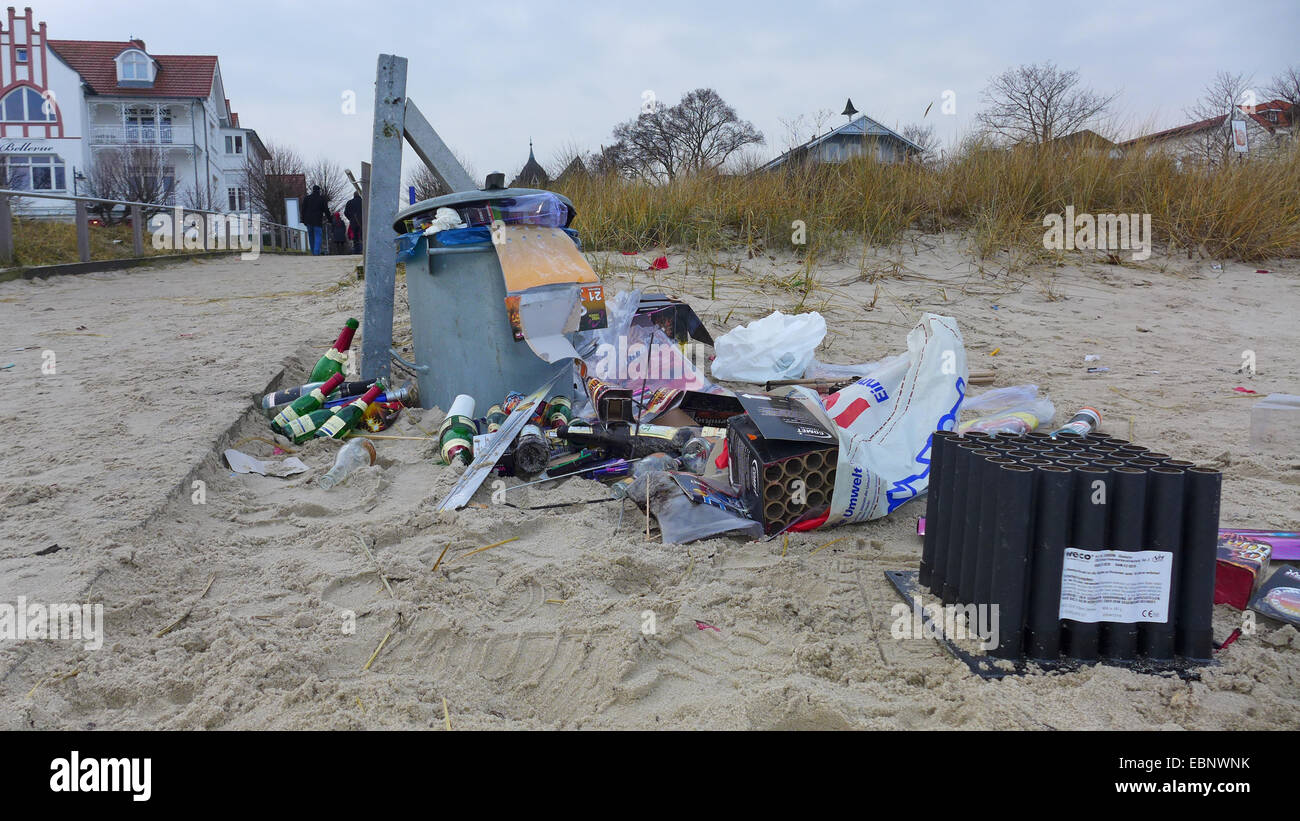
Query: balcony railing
point(149, 134)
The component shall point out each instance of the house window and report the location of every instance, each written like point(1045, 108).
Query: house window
point(133, 66)
point(237, 199)
point(234, 144)
point(34, 173)
point(20, 55)
point(144, 124)
point(25, 105)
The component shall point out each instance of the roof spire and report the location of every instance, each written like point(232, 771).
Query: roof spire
point(530, 148)
point(849, 110)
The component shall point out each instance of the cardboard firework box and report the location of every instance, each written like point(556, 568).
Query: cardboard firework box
point(781, 460)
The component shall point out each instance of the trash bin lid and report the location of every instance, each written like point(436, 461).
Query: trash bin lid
point(462, 198)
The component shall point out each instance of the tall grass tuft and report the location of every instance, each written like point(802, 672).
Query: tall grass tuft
point(1247, 210)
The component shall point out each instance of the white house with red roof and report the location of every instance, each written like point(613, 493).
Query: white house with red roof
point(63, 103)
point(1269, 130)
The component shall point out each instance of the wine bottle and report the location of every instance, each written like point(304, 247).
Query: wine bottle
point(273, 403)
point(357, 453)
point(496, 417)
point(306, 404)
point(334, 358)
point(626, 442)
point(346, 417)
point(408, 395)
point(306, 426)
point(558, 411)
point(456, 435)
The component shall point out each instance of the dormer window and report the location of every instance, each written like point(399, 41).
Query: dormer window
point(134, 68)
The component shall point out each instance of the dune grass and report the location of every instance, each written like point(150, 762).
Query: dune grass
point(997, 198)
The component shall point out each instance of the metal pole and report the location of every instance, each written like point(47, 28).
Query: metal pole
point(381, 200)
point(83, 232)
point(6, 232)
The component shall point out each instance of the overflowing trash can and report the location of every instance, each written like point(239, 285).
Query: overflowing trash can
point(462, 335)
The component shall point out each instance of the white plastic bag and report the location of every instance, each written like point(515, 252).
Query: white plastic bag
point(885, 430)
point(779, 346)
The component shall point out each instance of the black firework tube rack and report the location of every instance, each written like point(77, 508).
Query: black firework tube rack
point(1004, 509)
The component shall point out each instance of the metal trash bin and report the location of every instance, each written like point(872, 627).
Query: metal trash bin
point(460, 331)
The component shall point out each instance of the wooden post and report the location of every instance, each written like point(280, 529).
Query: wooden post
point(6, 232)
point(137, 230)
point(83, 232)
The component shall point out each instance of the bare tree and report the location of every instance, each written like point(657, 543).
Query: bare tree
point(425, 182)
point(1285, 86)
point(268, 184)
point(697, 134)
point(334, 185)
point(924, 136)
point(1221, 100)
point(133, 174)
point(1039, 102)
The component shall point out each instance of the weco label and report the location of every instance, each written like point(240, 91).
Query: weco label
point(1116, 585)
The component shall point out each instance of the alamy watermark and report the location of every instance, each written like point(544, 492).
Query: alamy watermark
point(954, 621)
point(58, 621)
point(1104, 232)
point(224, 232)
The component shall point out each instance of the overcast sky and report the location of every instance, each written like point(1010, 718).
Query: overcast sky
point(490, 75)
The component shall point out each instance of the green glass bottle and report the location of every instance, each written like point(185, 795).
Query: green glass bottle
point(306, 403)
point(348, 416)
point(306, 426)
point(333, 360)
point(456, 435)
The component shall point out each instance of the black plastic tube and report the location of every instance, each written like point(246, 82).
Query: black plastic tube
point(1051, 535)
point(1165, 492)
point(1195, 636)
point(982, 584)
point(1119, 640)
point(939, 443)
point(1015, 504)
point(963, 464)
point(979, 491)
point(1089, 522)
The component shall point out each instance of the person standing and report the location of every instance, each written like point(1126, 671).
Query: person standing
point(352, 210)
point(338, 234)
point(315, 214)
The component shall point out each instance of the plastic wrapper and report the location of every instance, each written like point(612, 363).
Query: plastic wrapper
point(543, 208)
point(779, 346)
point(1015, 409)
point(682, 521)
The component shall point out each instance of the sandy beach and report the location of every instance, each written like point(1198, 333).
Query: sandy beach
point(160, 369)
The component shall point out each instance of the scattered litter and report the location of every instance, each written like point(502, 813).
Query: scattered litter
point(703, 625)
point(1099, 370)
point(1092, 357)
point(243, 463)
point(7, 367)
point(54, 548)
point(994, 352)
point(778, 346)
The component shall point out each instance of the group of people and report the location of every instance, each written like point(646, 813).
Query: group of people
point(318, 219)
